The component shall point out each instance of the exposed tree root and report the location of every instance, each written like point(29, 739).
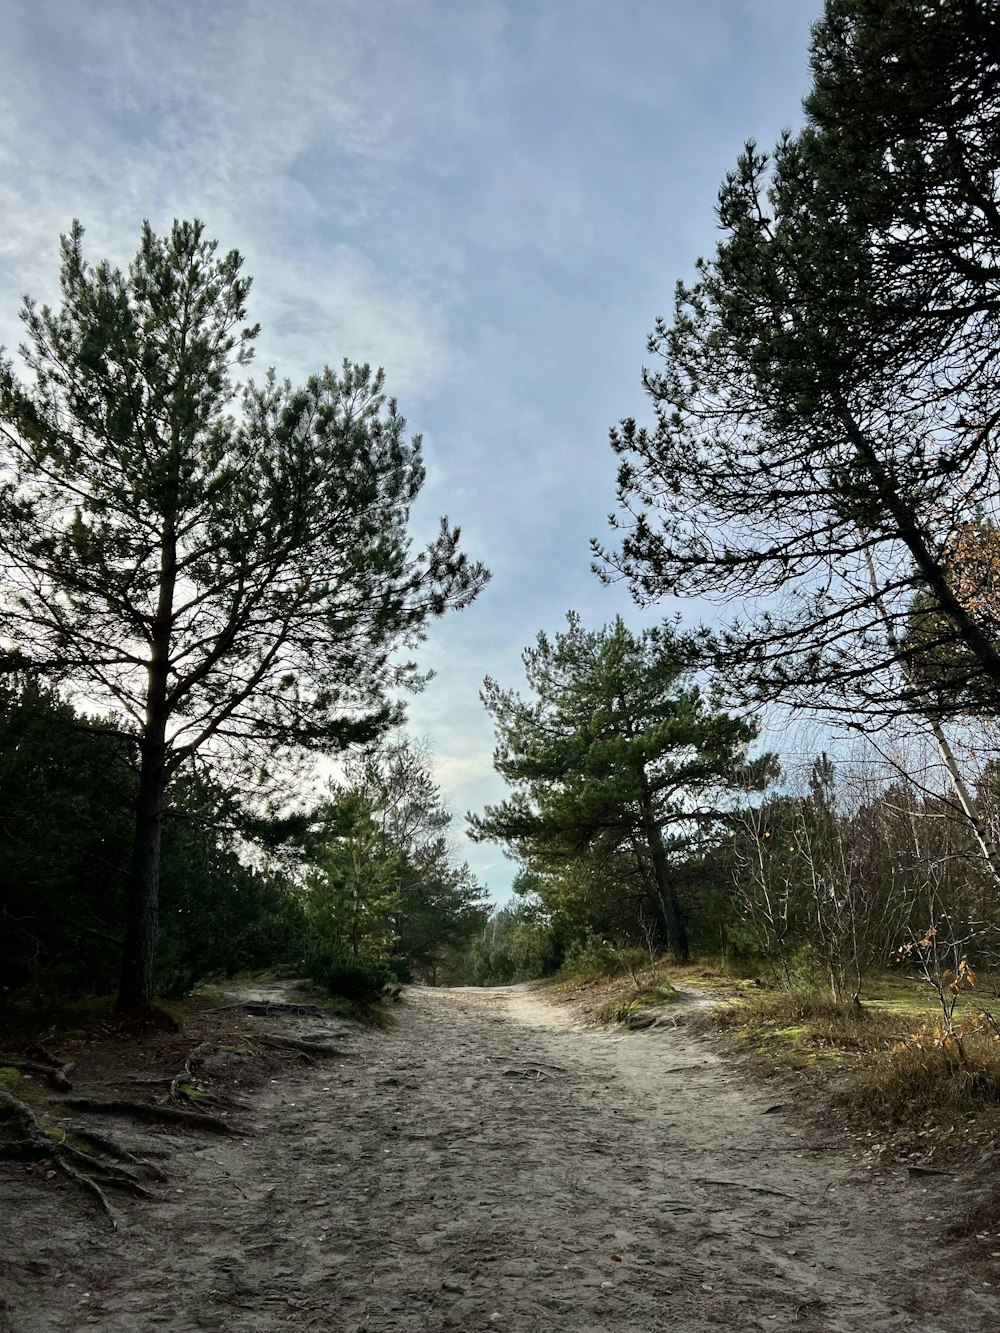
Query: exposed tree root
point(186, 1075)
point(106, 1144)
point(89, 1184)
point(149, 1111)
point(304, 1045)
point(50, 1067)
point(89, 1172)
point(269, 1010)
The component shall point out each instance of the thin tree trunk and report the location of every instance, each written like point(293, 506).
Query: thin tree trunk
point(136, 987)
point(669, 905)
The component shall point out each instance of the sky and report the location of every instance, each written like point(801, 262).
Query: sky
point(492, 199)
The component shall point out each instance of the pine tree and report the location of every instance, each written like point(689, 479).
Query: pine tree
point(618, 749)
point(227, 566)
point(827, 399)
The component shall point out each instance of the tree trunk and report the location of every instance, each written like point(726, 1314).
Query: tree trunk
point(136, 988)
point(966, 800)
point(671, 908)
point(929, 567)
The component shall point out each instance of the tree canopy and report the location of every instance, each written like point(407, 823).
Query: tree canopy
point(618, 755)
point(826, 400)
point(221, 564)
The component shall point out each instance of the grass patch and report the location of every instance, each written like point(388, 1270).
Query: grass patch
point(899, 1075)
point(653, 997)
point(809, 1018)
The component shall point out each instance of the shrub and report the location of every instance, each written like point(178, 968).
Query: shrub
point(925, 1079)
point(620, 1011)
point(337, 970)
point(590, 956)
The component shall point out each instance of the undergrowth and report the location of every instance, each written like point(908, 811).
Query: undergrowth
point(651, 997)
point(904, 1072)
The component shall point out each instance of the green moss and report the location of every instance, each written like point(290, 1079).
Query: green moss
point(191, 1091)
point(709, 973)
point(61, 1136)
point(10, 1079)
point(794, 1045)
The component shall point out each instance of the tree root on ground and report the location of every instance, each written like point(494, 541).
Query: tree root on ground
point(87, 1170)
point(311, 1047)
point(172, 1115)
point(50, 1067)
point(182, 1085)
point(271, 1010)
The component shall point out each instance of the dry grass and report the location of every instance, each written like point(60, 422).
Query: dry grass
point(898, 1073)
point(923, 1080)
point(650, 997)
point(614, 992)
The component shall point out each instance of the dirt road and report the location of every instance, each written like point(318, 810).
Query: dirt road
point(485, 1165)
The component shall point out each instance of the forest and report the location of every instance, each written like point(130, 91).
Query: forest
point(210, 585)
point(750, 960)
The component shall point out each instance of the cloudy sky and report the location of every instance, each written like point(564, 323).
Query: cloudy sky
point(490, 198)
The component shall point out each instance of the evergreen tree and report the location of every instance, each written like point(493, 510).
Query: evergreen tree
point(826, 409)
point(226, 566)
point(383, 886)
point(617, 750)
point(67, 783)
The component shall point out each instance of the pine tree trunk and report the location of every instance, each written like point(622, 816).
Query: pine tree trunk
point(136, 988)
point(669, 905)
point(970, 807)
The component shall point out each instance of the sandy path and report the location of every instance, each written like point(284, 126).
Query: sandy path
point(422, 1185)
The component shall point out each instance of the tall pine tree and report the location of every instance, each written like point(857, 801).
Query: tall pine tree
point(617, 749)
point(224, 566)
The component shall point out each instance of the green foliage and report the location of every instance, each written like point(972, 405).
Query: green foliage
point(824, 399)
point(619, 765)
point(520, 943)
point(66, 784)
point(382, 885)
point(337, 970)
point(350, 890)
point(589, 955)
point(213, 561)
